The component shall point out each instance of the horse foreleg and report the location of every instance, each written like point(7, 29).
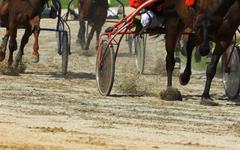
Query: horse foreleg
point(3, 45)
point(185, 76)
point(89, 37)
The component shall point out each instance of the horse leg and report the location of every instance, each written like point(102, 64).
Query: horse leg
point(177, 54)
point(89, 37)
point(24, 41)
point(185, 76)
point(172, 33)
point(211, 71)
point(3, 45)
point(36, 30)
point(12, 42)
point(81, 33)
point(98, 31)
point(204, 48)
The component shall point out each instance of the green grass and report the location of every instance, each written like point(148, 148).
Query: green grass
point(114, 3)
point(202, 65)
point(65, 3)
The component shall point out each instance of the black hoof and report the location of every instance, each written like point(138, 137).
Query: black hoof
point(2, 56)
point(207, 101)
point(204, 50)
point(184, 79)
point(171, 94)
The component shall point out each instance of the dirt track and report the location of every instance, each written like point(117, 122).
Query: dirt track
point(42, 110)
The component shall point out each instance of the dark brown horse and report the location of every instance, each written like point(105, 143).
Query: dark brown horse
point(26, 13)
point(178, 17)
point(95, 13)
point(221, 29)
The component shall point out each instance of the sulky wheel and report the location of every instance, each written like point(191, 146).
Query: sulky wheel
point(105, 68)
point(140, 47)
point(65, 48)
point(231, 72)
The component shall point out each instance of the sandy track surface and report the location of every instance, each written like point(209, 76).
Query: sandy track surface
point(42, 110)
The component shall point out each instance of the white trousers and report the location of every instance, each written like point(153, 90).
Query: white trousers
point(150, 20)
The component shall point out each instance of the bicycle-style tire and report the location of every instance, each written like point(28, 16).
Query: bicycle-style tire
point(105, 68)
point(231, 75)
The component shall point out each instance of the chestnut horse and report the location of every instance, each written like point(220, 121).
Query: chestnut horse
point(178, 17)
point(95, 13)
point(26, 13)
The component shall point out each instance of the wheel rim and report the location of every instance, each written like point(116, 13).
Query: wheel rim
point(105, 71)
point(231, 79)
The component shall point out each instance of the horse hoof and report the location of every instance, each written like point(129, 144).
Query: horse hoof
point(35, 59)
point(171, 94)
point(184, 79)
point(2, 56)
point(11, 71)
point(22, 68)
point(85, 48)
point(204, 50)
point(208, 102)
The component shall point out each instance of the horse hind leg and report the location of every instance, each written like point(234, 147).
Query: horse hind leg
point(12, 42)
point(89, 37)
point(81, 34)
point(24, 41)
point(172, 34)
point(3, 46)
point(211, 71)
point(35, 23)
point(98, 31)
